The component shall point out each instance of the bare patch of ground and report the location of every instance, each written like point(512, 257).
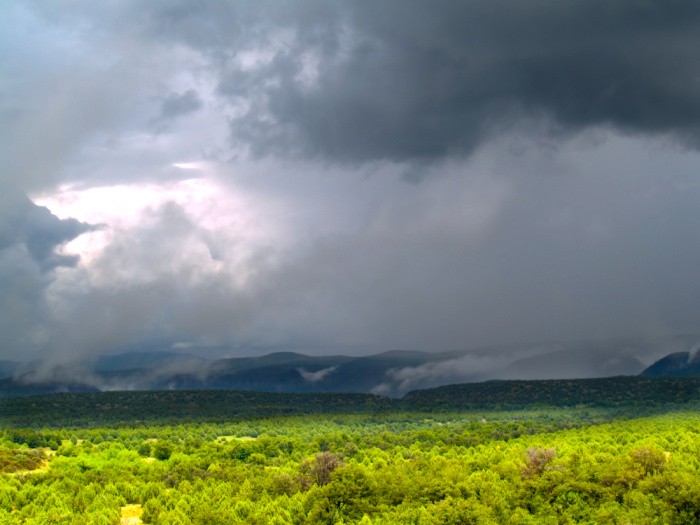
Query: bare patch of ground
point(226, 439)
point(131, 515)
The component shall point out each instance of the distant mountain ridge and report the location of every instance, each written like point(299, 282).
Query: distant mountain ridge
point(676, 364)
point(391, 373)
point(134, 360)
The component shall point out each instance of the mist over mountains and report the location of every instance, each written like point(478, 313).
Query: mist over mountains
point(391, 373)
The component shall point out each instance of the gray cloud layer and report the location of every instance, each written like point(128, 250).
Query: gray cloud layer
point(555, 145)
point(398, 80)
point(359, 81)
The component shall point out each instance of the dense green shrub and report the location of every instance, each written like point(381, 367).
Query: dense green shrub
point(539, 466)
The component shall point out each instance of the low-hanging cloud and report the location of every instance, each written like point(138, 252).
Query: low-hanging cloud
point(318, 375)
point(463, 369)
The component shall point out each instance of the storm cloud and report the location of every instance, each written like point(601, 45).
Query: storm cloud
point(364, 81)
point(30, 240)
point(324, 175)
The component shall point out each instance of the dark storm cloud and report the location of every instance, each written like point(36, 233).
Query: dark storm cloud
point(402, 80)
point(415, 80)
point(178, 104)
point(522, 229)
point(36, 230)
point(44, 232)
point(29, 237)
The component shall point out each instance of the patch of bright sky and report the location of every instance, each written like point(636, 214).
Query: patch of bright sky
point(122, 207)
point(308, 73)
point(278, 42)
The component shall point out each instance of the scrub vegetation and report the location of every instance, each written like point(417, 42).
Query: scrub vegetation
point(376, 465)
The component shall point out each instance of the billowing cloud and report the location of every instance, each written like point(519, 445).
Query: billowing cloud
point(247, 163)
point(360, 81)
point(363, 81)
point(177, 105)
point(180, 104)
point(35, 230)
point(30, 241)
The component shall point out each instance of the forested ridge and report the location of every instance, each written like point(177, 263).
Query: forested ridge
point(174, 406)
point(608, 392)
point(255, 458)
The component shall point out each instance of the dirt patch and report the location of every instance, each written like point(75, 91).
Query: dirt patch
point(131, 515)
point(226, 439)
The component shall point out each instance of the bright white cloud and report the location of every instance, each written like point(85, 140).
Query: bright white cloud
point(220, 210)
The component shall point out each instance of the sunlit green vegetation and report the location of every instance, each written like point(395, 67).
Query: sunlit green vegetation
point(556, 465)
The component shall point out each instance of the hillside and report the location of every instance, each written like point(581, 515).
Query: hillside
point(391, 373)
point(605, 392)
point(92, 408)
point(677, 364)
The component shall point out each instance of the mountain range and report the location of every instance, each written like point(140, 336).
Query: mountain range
point(676, 364)
point(391, 373)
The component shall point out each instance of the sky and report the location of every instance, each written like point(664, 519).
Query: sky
point(346, 176)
